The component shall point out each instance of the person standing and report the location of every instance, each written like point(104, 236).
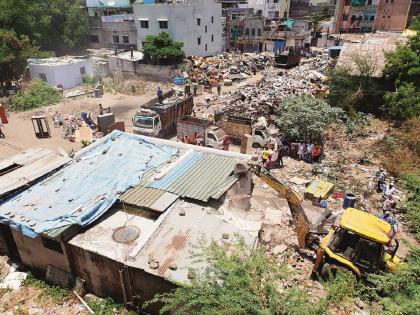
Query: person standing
point(381, 181)
point(159, 95)
point(1, 131)
point(316, 153)
point(281, 151)
point(265, 156)
point(309, 148)
point(226, 143)
point(219, 88)
point(301, 151)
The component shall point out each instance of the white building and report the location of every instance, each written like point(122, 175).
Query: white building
point(196, 23)
point(270, 9)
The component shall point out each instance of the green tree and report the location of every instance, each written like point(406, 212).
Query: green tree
point(75, 27)
point(54, 25)
point(303, 118)
point(235, 281)
point(162, 49)
point(403, 70)
point(14, 52)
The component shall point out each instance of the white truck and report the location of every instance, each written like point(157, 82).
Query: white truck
point(155, 120)
point(200, 131)
point(235, 127)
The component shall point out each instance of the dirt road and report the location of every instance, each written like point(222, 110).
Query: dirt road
point(20, 134)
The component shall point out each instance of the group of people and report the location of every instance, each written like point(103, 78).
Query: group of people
point(309, 152)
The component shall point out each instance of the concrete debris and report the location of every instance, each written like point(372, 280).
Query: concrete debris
point(14, 278)
point(279, 249)
point(226, 66)
point(260, 100)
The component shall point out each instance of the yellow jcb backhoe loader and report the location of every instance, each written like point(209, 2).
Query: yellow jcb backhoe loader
point(359, 242)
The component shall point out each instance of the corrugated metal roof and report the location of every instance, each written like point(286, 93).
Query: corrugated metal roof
point(178, 237)
point(201, 177)
point(28, 166)
point(84, 190)
point(151, 198)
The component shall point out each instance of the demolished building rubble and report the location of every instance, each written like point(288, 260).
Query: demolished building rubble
point(251, 101)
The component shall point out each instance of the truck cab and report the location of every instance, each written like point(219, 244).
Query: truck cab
point(147, 122)
point(260, 137)
point(214, 137)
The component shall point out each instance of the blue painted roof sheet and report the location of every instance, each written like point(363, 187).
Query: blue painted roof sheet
point(85, 189)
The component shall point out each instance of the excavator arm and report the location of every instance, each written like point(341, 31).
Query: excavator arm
point(302, 224)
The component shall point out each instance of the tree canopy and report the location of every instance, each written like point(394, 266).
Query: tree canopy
point(304, 118)
point(29, 27)
point(403, 69)
point(162, 49)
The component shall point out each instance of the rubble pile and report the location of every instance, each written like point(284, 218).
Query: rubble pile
point(226, 66)
point(255, 100)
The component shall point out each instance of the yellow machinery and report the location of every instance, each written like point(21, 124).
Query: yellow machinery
point(359, 243)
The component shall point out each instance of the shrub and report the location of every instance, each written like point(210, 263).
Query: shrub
point(305, 118)
point(37, 94)
point(237, 280)
point(399, 292)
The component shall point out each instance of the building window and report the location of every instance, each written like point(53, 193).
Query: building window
point(259, 32)
point(198, 40)
point(144, 24)
point(205, 29)
point(82, 70)
point(206, 47)
point(212, 19)
point(346, 3)
point(253, 32)
point(116, 39)
point(345, 17)
point(233, 16)
point(247, 32)
point(94, 38)
point(212, 38)
point(125, 39)
point(372, 18)
point(163, 25)
point(51, 244)
point(369, 2)
point(42, 76)
point(198, 21)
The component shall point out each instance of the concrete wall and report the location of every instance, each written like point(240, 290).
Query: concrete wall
point(35, 255)
point(269, 8)
point(392, 16)
point(182, 25)
point(66, 74)
point(136, 70)
point(105, 277)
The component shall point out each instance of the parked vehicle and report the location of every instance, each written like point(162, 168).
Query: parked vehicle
point(155, 120)
point(360, 242)
point(200, 130)
point(235, 127)
point(287, 59)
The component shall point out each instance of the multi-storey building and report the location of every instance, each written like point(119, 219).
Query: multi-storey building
point(111, 24)
point(355, 16)
point(196, 23)
point(269, 9)
point(392, 15)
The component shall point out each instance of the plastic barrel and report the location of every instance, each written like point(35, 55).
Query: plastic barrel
point(349, 201)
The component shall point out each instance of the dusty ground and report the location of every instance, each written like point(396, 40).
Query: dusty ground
point(19, 131)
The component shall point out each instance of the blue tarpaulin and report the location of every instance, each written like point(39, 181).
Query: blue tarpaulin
point(278, 45)
point(85, 189)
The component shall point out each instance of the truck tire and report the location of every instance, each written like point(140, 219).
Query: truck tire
point(160, 134)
